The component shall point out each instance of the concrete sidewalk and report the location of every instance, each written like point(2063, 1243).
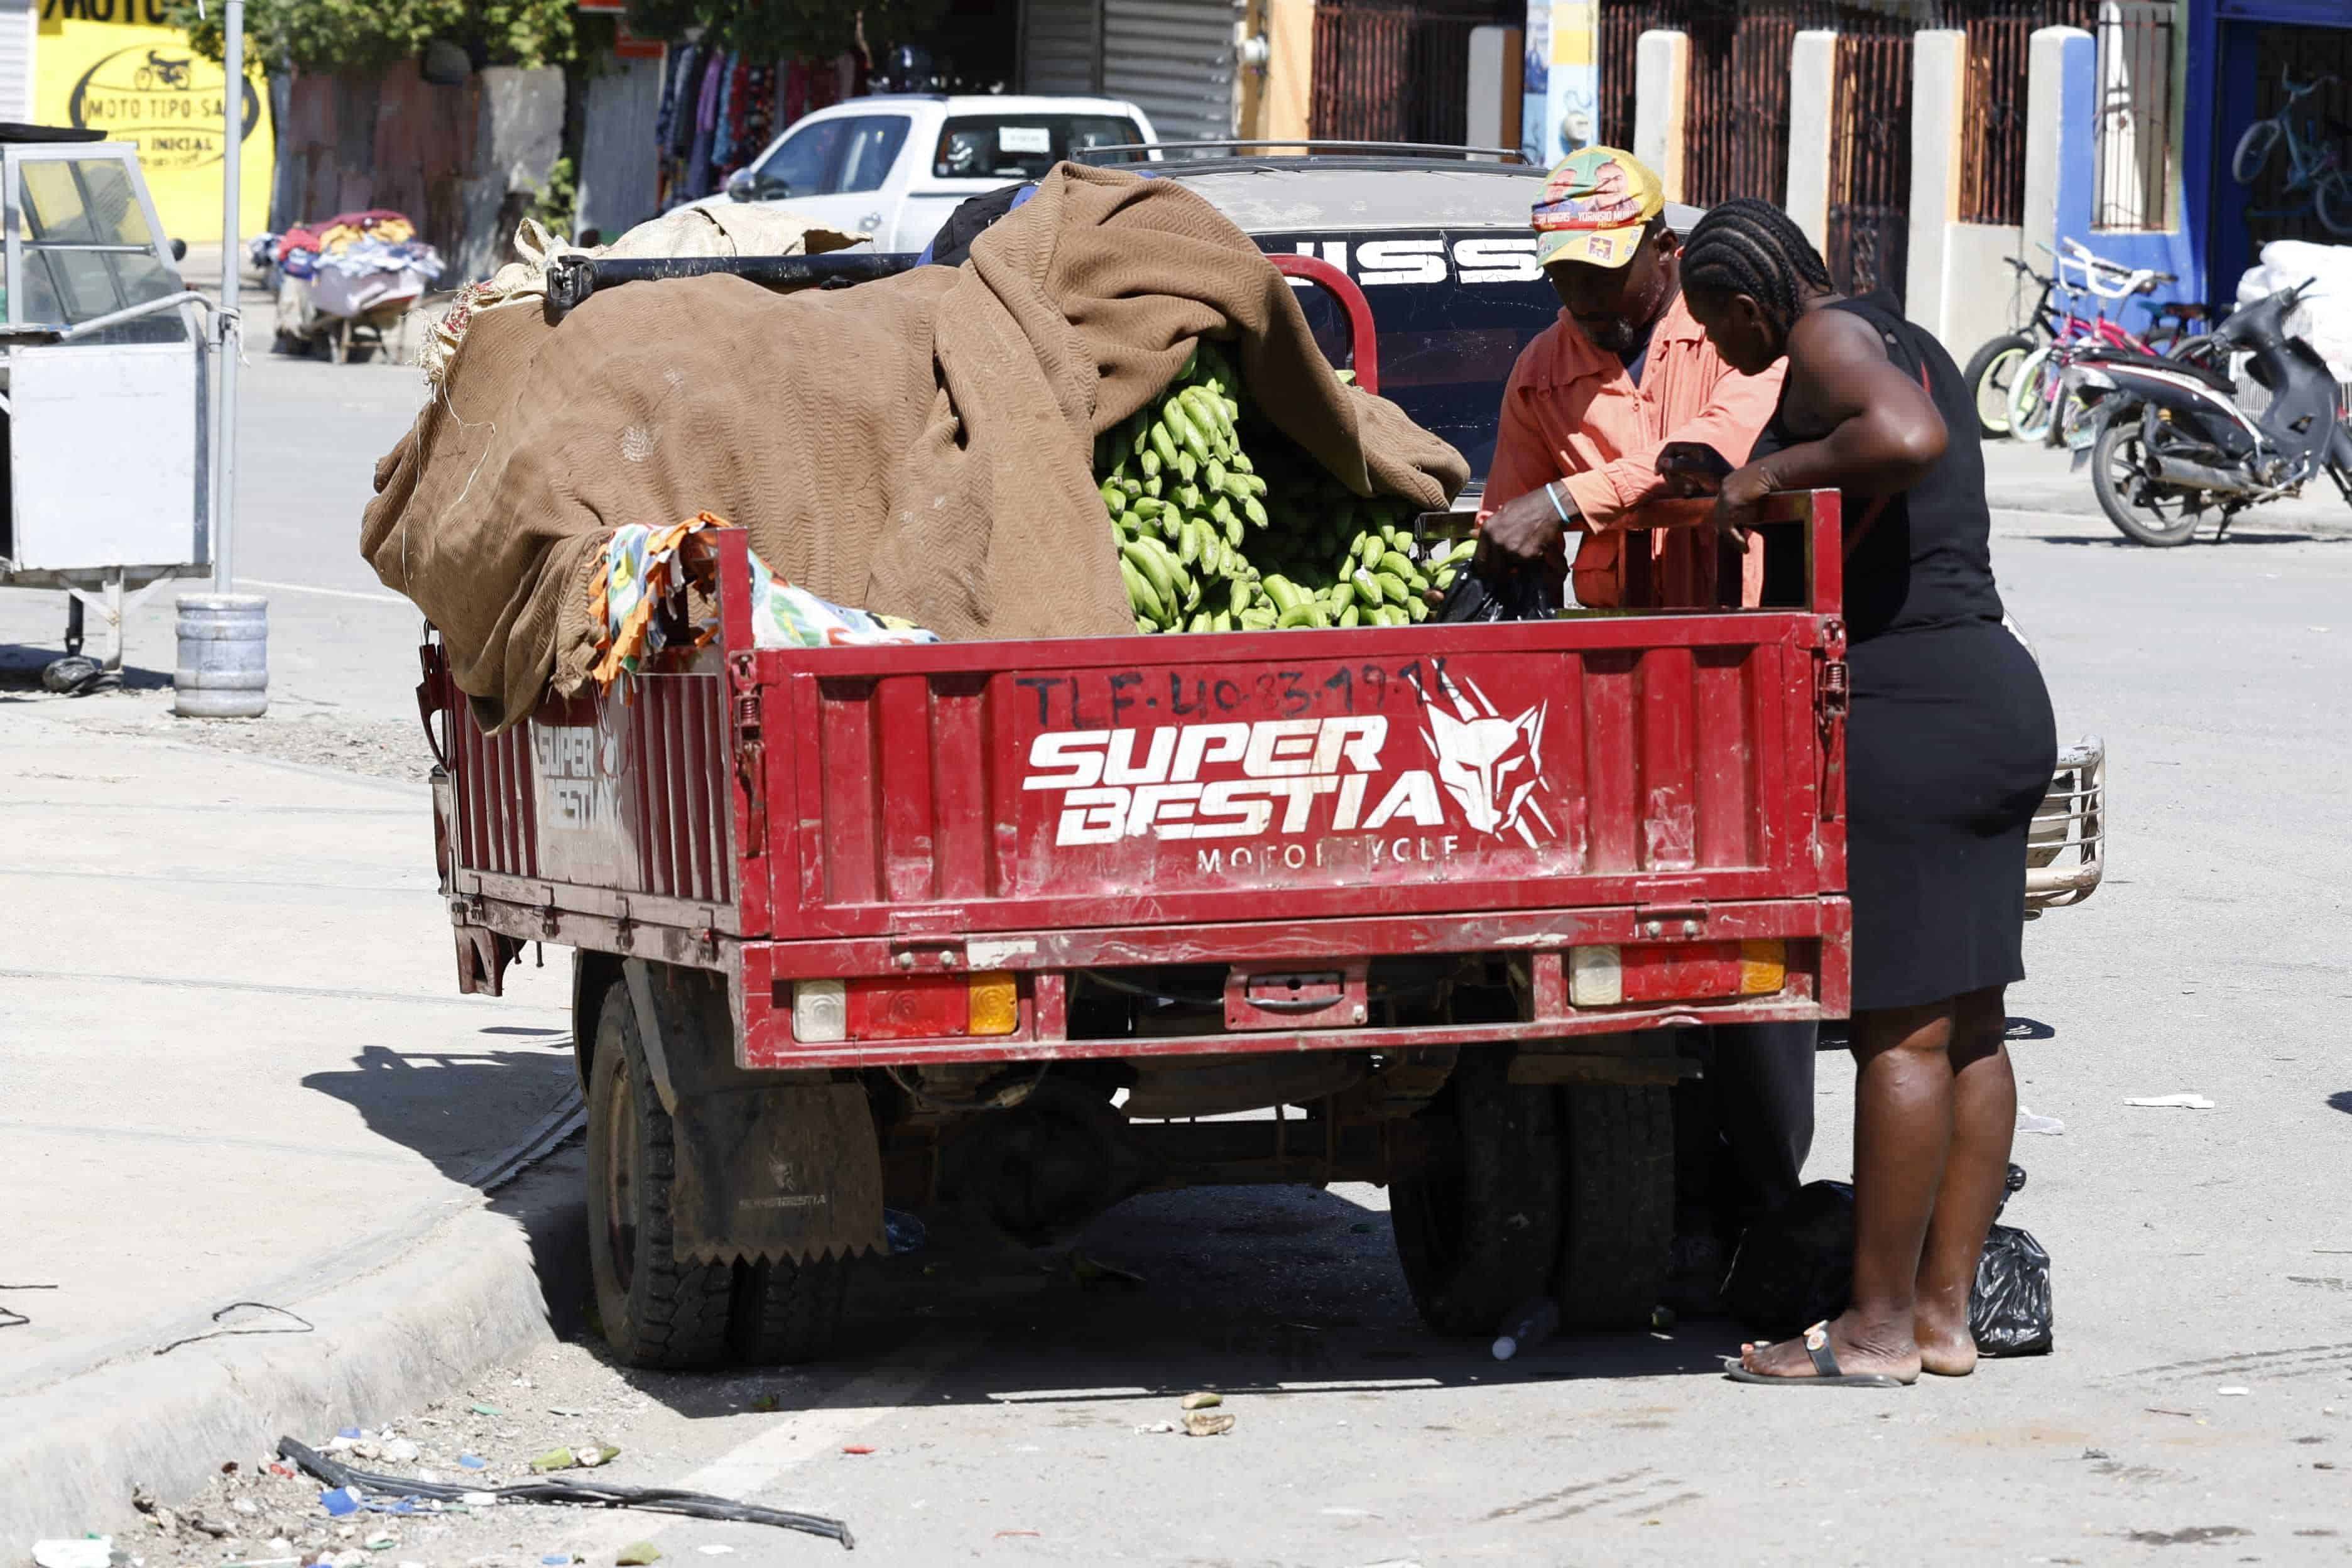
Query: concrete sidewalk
point(237, 1070)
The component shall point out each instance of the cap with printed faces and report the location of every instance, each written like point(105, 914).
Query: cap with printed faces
point(1596, 206)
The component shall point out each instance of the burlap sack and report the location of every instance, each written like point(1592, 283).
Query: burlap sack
point(917, 446)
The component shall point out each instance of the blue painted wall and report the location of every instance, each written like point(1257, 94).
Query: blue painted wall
point(2178, 250)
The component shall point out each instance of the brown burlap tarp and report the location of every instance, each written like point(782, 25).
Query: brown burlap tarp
point(918, 447)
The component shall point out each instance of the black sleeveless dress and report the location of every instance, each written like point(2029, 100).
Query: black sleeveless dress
point(1950, 743)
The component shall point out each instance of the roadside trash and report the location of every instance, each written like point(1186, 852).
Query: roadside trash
point(381, 1542)
point(556, 1560)
point(595, 1494)
point(472, 1462)
point(244, 1505)
point(401, 1451)
point(349, 1432)
point(906, 1233)
point(486, 1410)
point(1527, 1327)
point(1662, 1318)
point(764, 1403)
point(1206, 1424)
point(715, 1549)
point(585, 1457)
point(2173, 1102)
point(856, 1449)
point(1090, 1272)
point(559, 1410)
point(93, 1552)
point(2233, 1392)
point(1203, 1401)
point(636, 1554)
point(1795, 1267)
point(1009, 1534)
point(2029, 1122)
point(1153, 1428)
point(342, 1502)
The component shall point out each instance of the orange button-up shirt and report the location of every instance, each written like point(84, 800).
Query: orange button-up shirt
point(1571, 413)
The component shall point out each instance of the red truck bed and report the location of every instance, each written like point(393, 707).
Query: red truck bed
point(1298, 809)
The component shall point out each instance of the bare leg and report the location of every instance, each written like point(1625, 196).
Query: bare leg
point(1984, 1120)
point(1902, 1136)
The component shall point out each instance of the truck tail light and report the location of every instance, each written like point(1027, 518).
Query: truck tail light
point(906, 1007)
point(820, 1012)
point(1636, 973)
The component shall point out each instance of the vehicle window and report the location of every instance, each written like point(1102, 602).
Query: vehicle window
point(1022, 146)
point(867, 152)
point(799, 165)
point(82, 200)
point(83, 220)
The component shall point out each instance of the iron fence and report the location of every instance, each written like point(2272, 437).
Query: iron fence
point(1396, 72)
point(1870, 163)
point(1992, 161)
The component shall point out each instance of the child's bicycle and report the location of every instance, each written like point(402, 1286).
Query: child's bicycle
point(2313, 171)
point(2038, 407)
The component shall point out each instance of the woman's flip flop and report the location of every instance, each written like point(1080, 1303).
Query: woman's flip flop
point(1825, 1368)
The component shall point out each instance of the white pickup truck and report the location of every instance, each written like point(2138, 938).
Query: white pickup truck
point(893, 166)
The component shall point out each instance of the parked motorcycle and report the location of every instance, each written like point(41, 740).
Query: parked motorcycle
point(2173, 439)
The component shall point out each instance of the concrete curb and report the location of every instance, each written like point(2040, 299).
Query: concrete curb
point(474, 1291)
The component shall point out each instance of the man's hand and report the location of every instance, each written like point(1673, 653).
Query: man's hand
point(1528, 529)
point(1689, 468)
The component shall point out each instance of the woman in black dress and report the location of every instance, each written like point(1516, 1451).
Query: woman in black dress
point(1949, 747)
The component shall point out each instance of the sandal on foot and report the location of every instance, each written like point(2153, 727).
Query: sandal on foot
point(1826, 1374)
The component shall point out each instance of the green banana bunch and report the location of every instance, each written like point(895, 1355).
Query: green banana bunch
point(1207, 541)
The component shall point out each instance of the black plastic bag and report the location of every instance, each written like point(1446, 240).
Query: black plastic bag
point(2010, 1311)
point(1509, 594)
point(1795, 1268)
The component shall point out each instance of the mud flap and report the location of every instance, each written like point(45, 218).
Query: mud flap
point(779, 1175)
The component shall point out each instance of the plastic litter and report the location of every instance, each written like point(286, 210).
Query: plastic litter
point(1153, 1428)
point(585, 1457)
point(2172, 1102)
point(1528, 1328)
point(472, 1462)
point(582, 1493)
point(856, 1448)
point(92, 1551)
point(906, 1233)
point(1207, 1423)
point(2029, 1122)
point(636, 1554)
point(486, 1410)
point(341, 1502)
point(401, 1451)
point(1203, 1401)
point(2233, 1392)
point(715, 1549)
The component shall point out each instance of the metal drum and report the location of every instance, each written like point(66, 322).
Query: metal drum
point(224, 670)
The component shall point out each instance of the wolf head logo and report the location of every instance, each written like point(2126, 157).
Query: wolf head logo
point(1489, 766)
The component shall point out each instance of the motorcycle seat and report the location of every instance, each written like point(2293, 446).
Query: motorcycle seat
point(2129, 360)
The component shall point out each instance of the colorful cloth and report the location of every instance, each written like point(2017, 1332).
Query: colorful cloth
point(639, 597)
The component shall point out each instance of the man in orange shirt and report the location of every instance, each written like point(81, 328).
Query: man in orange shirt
point(1624, 371)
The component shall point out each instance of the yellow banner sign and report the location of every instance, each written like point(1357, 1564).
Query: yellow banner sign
point(103, 67)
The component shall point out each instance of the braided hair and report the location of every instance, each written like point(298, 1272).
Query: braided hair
point(1752, 248)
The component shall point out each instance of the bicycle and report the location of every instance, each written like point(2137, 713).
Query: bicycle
point(2035, 406)
point(2310, 167)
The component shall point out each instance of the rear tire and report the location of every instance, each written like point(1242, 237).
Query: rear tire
point(656, 1312)
point(2114, 469)
point(1617, 1226)
point(2255, 149)
point(1991, 371)
point(1475, 1199)
point(786, 1313)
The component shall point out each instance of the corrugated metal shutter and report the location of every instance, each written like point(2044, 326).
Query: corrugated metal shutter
point(16, 18)
point(1175, 60)
point(1059, 47)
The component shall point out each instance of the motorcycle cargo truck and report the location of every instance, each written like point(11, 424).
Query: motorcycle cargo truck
point(1035, 925)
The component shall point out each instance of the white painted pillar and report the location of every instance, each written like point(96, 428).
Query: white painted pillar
point(2045, 114)
point(1661, 89)
point(1939, 110)
point(1812, 104)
